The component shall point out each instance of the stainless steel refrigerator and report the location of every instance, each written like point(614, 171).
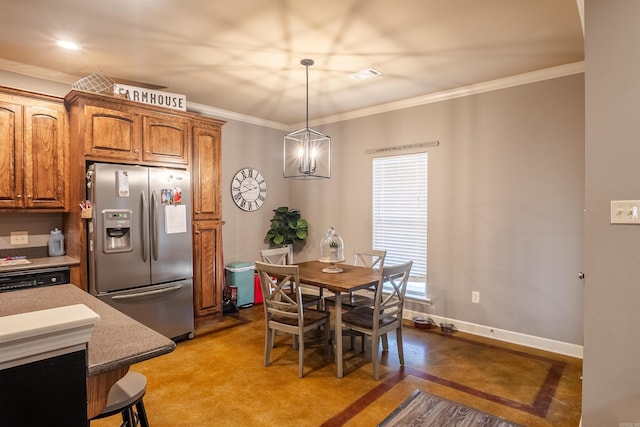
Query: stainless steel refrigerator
point(140, 244)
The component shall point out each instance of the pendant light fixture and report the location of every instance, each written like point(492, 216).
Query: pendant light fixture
point(307, 152)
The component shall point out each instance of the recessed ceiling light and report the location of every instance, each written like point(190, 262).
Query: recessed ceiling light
point(366, 74)
point(67, 45)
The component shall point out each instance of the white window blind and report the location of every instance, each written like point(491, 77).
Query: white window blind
point(400, 190)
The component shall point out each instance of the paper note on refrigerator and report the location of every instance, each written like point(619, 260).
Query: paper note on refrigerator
point(175, 219)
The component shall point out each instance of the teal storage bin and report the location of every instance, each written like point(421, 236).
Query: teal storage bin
point(240, 274)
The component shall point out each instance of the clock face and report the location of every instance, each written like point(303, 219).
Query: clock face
point(248, 189)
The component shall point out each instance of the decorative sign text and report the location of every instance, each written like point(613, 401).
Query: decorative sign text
point(152, 97)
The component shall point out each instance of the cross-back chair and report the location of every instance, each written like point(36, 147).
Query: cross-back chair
point(282, 256)
point(284, 310)
point(371, 258)
point(384, 315)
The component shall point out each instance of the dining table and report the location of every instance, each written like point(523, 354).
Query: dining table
point(350, 279)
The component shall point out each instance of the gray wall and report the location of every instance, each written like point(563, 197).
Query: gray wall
point(261, 148)
point(506, 202)
point(611, 388)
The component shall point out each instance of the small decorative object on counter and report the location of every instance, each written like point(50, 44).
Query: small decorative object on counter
point(56, 243)
point(448, 328)
point(332, 251)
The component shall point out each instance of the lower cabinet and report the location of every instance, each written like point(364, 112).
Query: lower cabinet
point(208, 271)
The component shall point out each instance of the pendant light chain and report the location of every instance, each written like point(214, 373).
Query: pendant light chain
point(307, 63)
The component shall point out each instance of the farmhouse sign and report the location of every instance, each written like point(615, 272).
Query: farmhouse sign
point(152, 97)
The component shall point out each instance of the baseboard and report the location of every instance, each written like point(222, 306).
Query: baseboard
point(540, 343)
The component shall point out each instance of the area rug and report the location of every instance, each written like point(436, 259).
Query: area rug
point(424, 409)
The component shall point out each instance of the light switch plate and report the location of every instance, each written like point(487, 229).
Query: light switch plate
point(19, 237)
point(625, 212)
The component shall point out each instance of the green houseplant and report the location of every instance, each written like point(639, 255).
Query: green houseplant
point(287, 227)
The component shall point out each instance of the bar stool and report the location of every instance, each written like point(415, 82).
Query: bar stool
point(123, 396)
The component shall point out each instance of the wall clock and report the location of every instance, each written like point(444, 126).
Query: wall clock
point(248, 189)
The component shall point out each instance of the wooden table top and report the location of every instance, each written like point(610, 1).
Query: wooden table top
point(351, 279)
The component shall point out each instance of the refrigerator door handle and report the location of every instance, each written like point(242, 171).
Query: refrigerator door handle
point(154, 224)
point(147, 293)
point(144, 225)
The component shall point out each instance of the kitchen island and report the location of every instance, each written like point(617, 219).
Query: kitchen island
point(117, 341)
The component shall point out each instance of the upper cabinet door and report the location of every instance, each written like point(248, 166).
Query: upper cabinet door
point(45, 157)
point(33, 153)
point(165, 139)
point(11, 193)
point(112, 134)
point(206, 172)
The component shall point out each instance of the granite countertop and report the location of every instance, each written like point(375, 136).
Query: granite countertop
point(36, 263)
point(117, 340)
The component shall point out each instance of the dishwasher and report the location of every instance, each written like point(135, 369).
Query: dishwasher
point(35, 278)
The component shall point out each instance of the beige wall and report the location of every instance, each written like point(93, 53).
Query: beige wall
point(611, 390)
point(37, 225)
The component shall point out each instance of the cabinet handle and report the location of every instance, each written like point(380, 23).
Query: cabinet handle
point(136, 151)
point(19, 196)
point(29, 196)
point(148, 152)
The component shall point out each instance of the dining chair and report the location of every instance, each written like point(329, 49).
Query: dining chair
point(385, 315)
point(282, 256)
point(284, 311)
point(371, 258)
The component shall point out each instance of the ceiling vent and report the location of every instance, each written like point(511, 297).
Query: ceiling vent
point(366, 74)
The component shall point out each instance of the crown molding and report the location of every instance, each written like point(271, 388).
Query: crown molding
point(219, 113)
point(489, 86)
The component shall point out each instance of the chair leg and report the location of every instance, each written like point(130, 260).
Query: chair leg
point(268, 344)
point(301, 356)
point(400, 349)
point(128, 418)
point(385, 342)
point(142, 414)
point(374, 356)
point(327, 337)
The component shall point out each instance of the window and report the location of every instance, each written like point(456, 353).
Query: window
point(400, 214)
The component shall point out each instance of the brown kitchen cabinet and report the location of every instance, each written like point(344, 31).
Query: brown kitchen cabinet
point(33, 151)
point(118, 130)
point(111, 129)
point(205, 171)
point(208, 273)
point(165, 138)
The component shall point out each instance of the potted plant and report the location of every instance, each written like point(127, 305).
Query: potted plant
point(287, 227)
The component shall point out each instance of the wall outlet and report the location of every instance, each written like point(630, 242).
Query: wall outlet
point(475, 297)
point(19, 237)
